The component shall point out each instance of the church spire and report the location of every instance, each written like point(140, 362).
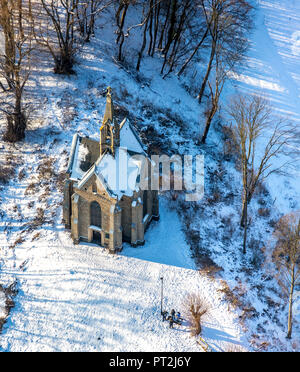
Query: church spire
point(109, 109)
point(110, 129)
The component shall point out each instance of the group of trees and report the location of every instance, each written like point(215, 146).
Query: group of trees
point(62, 25)
point(256, 125)
point(286, 259)
point(211, 34)
point(28, 26)
point(15, 63)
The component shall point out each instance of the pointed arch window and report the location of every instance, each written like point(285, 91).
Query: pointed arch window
point(96, 215)
point(145, 203)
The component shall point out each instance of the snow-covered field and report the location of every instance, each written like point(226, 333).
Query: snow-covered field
point(80, 297)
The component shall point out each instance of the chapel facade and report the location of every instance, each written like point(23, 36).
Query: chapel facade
point(107, 196)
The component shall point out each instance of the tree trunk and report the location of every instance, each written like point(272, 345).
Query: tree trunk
point(64, 64)
point(208, 124)
point(90, 27)
point(16, 122)
point(290, 318)
point(177, 37)
point(156, 25)
point(20, 18)
point(249, 197)
point(120, 23)
point(9, 36)
point(243, 214)
point(209, 67)
point(20, 121)
point(143, 46)
point(150, 28)
point(164, 27)
point(171, 33)
point(245, 223)
point(193, 54)
point(172, 27)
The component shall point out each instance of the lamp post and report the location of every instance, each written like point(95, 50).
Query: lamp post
point(162, 295)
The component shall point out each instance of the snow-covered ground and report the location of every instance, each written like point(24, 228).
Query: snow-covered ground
point(2, 304)
point(81, 298)
point(273, 69)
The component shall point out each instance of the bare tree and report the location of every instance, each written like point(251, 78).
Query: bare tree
point(87, 12)
point(7, 26)
point(195, 308)
point(215, 93)
point(169, 27)
point(286, 257)
point(56, 31)
point(194, 51)
point(228, 23)
point(253, 118)
point(140, 54)
point(15, 64)
point(173, 54)
point(120, 15)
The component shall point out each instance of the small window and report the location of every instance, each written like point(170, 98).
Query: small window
point(106, 236)
point(145, 202)
point(95, 211)
point(94, 188)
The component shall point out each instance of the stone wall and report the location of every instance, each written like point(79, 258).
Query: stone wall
point(123, 221)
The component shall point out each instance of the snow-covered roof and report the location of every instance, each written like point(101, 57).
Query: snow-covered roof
point(119, 174)
point(84, 153)
point(129, 138)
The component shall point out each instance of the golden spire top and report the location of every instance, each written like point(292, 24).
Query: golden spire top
point(110, 129)
point(109, 109)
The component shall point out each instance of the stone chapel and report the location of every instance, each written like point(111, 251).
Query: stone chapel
point(104, 201)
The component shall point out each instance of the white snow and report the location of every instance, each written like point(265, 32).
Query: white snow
point(273, 69)
point(80, 298)
point(120, 172)
point(128, 139)
point(81, 151)
point(296, 43)
point(95, 228)
point(2, 304)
